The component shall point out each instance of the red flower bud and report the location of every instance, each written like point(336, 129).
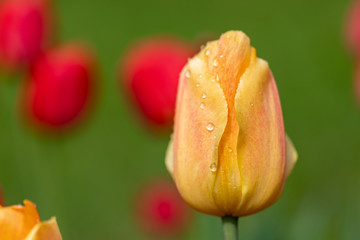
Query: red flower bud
point(60, 87)
point(151, 71)
point(24, 28)
point(160, 211)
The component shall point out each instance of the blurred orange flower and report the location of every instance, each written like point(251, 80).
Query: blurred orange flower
point(229, 154)
point(23, 223)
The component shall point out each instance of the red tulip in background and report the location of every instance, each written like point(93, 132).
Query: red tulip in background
point(151, 71)
point(353, 40)
point(23, 30)
point(160, 211)
point(59, 88)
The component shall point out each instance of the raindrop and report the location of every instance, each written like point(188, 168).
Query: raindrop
point(216, 63)
point(251, 104)
point(221, 56)
point(198, 85)
point(187, 74)
point(217, 77)
point(200, 76)
point(203, 95)
point(207, 52)
point(213, 167)
point(210, 127)
point(202, 106)
point(230, 149)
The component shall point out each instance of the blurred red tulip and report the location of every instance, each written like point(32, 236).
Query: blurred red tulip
point(151, 71)
point(60, 87)
point(24, 26)
point(353, 26)
point(160, 211)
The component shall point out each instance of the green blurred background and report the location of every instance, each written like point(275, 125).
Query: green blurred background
point(88, 178)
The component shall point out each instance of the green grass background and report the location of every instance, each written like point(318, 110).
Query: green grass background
point(87, 179)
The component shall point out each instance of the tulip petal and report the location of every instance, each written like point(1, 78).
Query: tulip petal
point(291, 156)
point(200, 119)
point(17, 221)
point(232, 56)
point(261, 141)
point(48, 230)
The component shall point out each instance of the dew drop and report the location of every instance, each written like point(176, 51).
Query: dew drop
point(202, 106)
point(221, 56)
point(217, 77)
point(207, 52)
point(198, 85)
point(213, 80)
point(187, 74)
point(200, 76)
point(216, 63)
point(203, 96)
point(251, 104)
point(213, 167)
point(210, 127)
point(230, 149)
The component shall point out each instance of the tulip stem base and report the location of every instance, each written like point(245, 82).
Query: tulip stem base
point(230, 227)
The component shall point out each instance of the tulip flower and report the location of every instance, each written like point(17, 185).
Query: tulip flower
point(24, 29)
point(353, 27)
point(160, 211)
point(59, 90)
point(229, 154)
point(23, 223)
point(150, 71)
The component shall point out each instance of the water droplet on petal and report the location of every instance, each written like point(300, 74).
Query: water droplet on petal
point(230, 149)
point(202, 106)
point(207, 52)
point(213, 167)
point(217, 77)
point(198, 85)
point(203, 95)
point(251, 104)
point(216, 63)
point(187, 74)
point(210, 127)
point(221, 56)
point(200, 76)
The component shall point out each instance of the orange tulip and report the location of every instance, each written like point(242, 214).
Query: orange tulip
point(229, 155)
point(23, 223)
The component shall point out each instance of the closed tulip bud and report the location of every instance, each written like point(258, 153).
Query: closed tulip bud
point(150, 71)
point(24, 29)
point(60, 88)
point(229, 154)
point(23, 223)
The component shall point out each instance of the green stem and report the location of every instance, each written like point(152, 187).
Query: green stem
point(230, 227)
